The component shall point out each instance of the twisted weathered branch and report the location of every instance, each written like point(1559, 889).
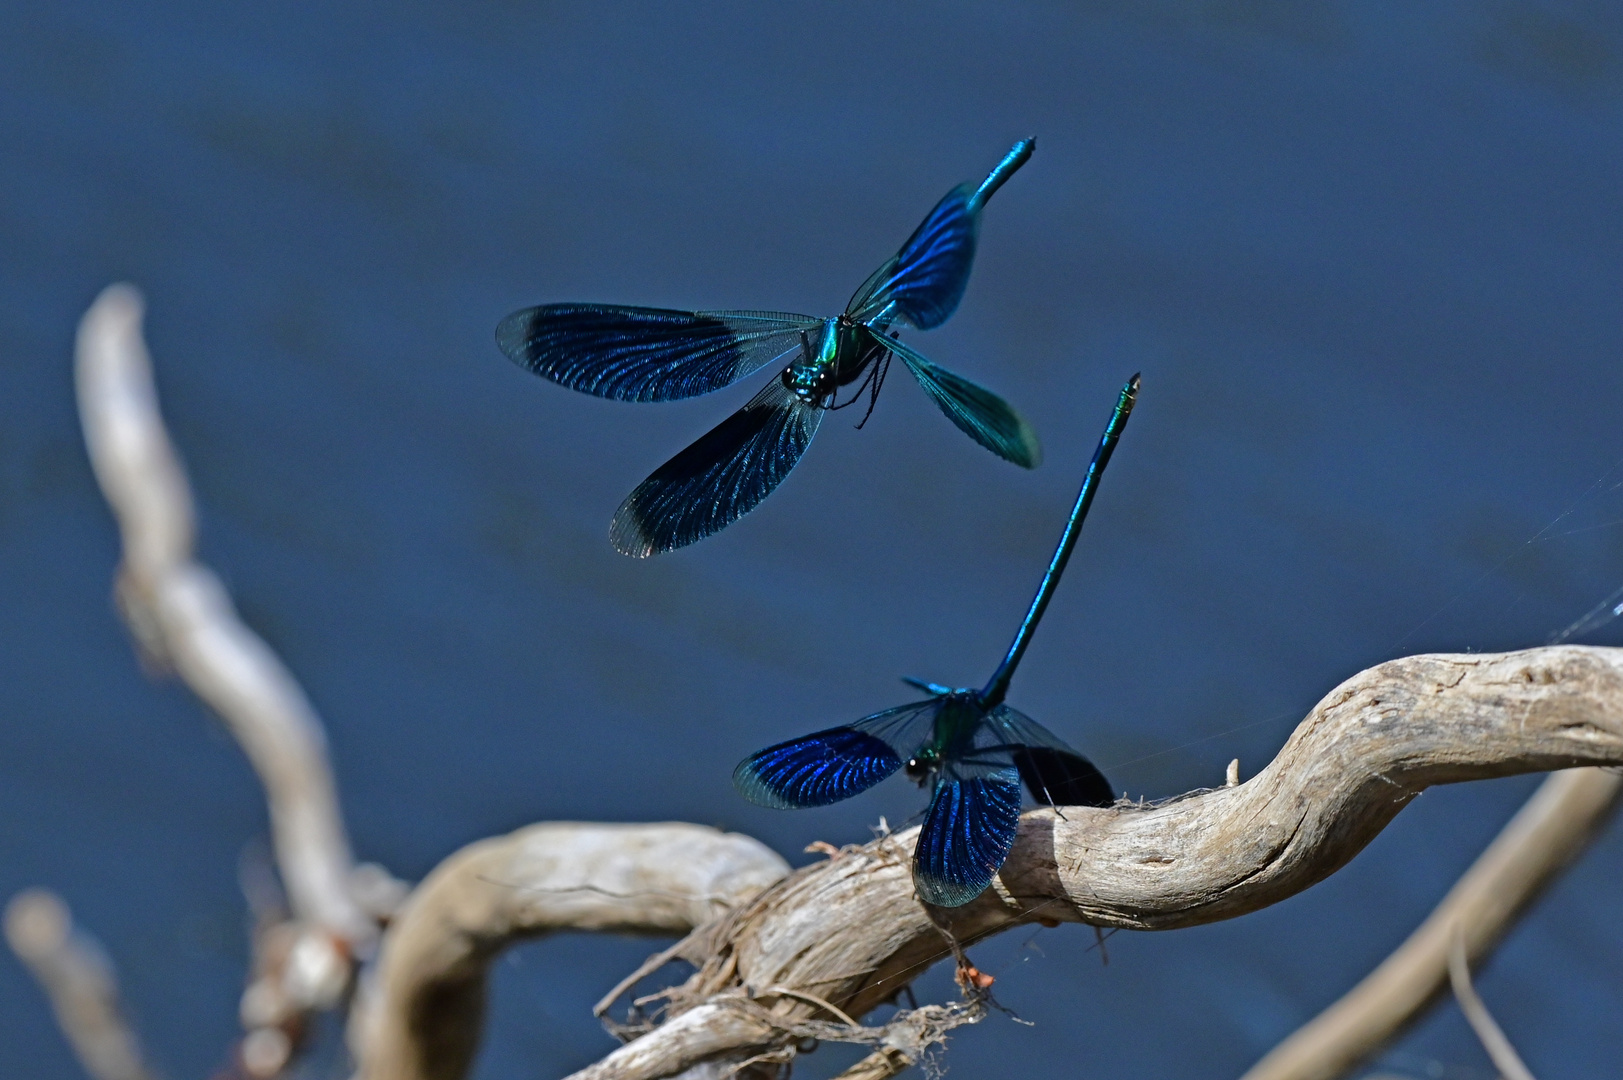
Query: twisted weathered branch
point(183, 619)
point(1534, 847)
point(182, 616)
point(850, 931)
point(420, 1015)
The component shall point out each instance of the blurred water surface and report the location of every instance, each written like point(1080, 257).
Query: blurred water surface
point(1368, 258)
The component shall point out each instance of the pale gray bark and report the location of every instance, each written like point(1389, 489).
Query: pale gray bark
point(1532, 850)
point(183, 617)
point(421, 1010)
point(79, 980)
point(850, 930)
point(183, 620)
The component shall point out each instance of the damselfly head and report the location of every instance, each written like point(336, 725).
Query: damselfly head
point(921, 766)
point(809, 380)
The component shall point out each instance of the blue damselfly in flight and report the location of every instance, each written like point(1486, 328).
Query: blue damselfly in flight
point(655, 354)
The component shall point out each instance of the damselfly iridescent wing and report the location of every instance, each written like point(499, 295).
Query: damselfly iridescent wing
point(720, 477)
point(969, 828)
point(837, 763)
point(977, 412)
point(922, 284)
point(648, 354)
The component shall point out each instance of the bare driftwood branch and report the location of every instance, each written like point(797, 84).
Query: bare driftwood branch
point(182, 616)
point(1488, 1033)
point(183, 619)
point(420, 1013)
point(80, 982)
point(850, 931)
point(1532, 850)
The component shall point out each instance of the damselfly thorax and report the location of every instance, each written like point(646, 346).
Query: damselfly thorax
point(843, 351)
point(958, 716)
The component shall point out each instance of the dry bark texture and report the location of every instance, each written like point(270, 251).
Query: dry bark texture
point(1544, 837)
point(850, 933)
point(422, 1010)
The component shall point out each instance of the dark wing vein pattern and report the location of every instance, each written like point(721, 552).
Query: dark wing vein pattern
point(967, 833)
point(831, 765)
point(816, 770)
point(1062, 778)
point(1055, 774)
point(719, 478)
point(976, 411)
point(647, 354)
point(927, 277)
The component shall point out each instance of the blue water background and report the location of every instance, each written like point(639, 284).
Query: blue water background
point(1369, 258)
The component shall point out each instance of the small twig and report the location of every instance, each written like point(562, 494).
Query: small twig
point(812, 999)
point(879, 1065)
point(646, 968)
point(1488, 1033)
point(80, 982)
point(1099, 939)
